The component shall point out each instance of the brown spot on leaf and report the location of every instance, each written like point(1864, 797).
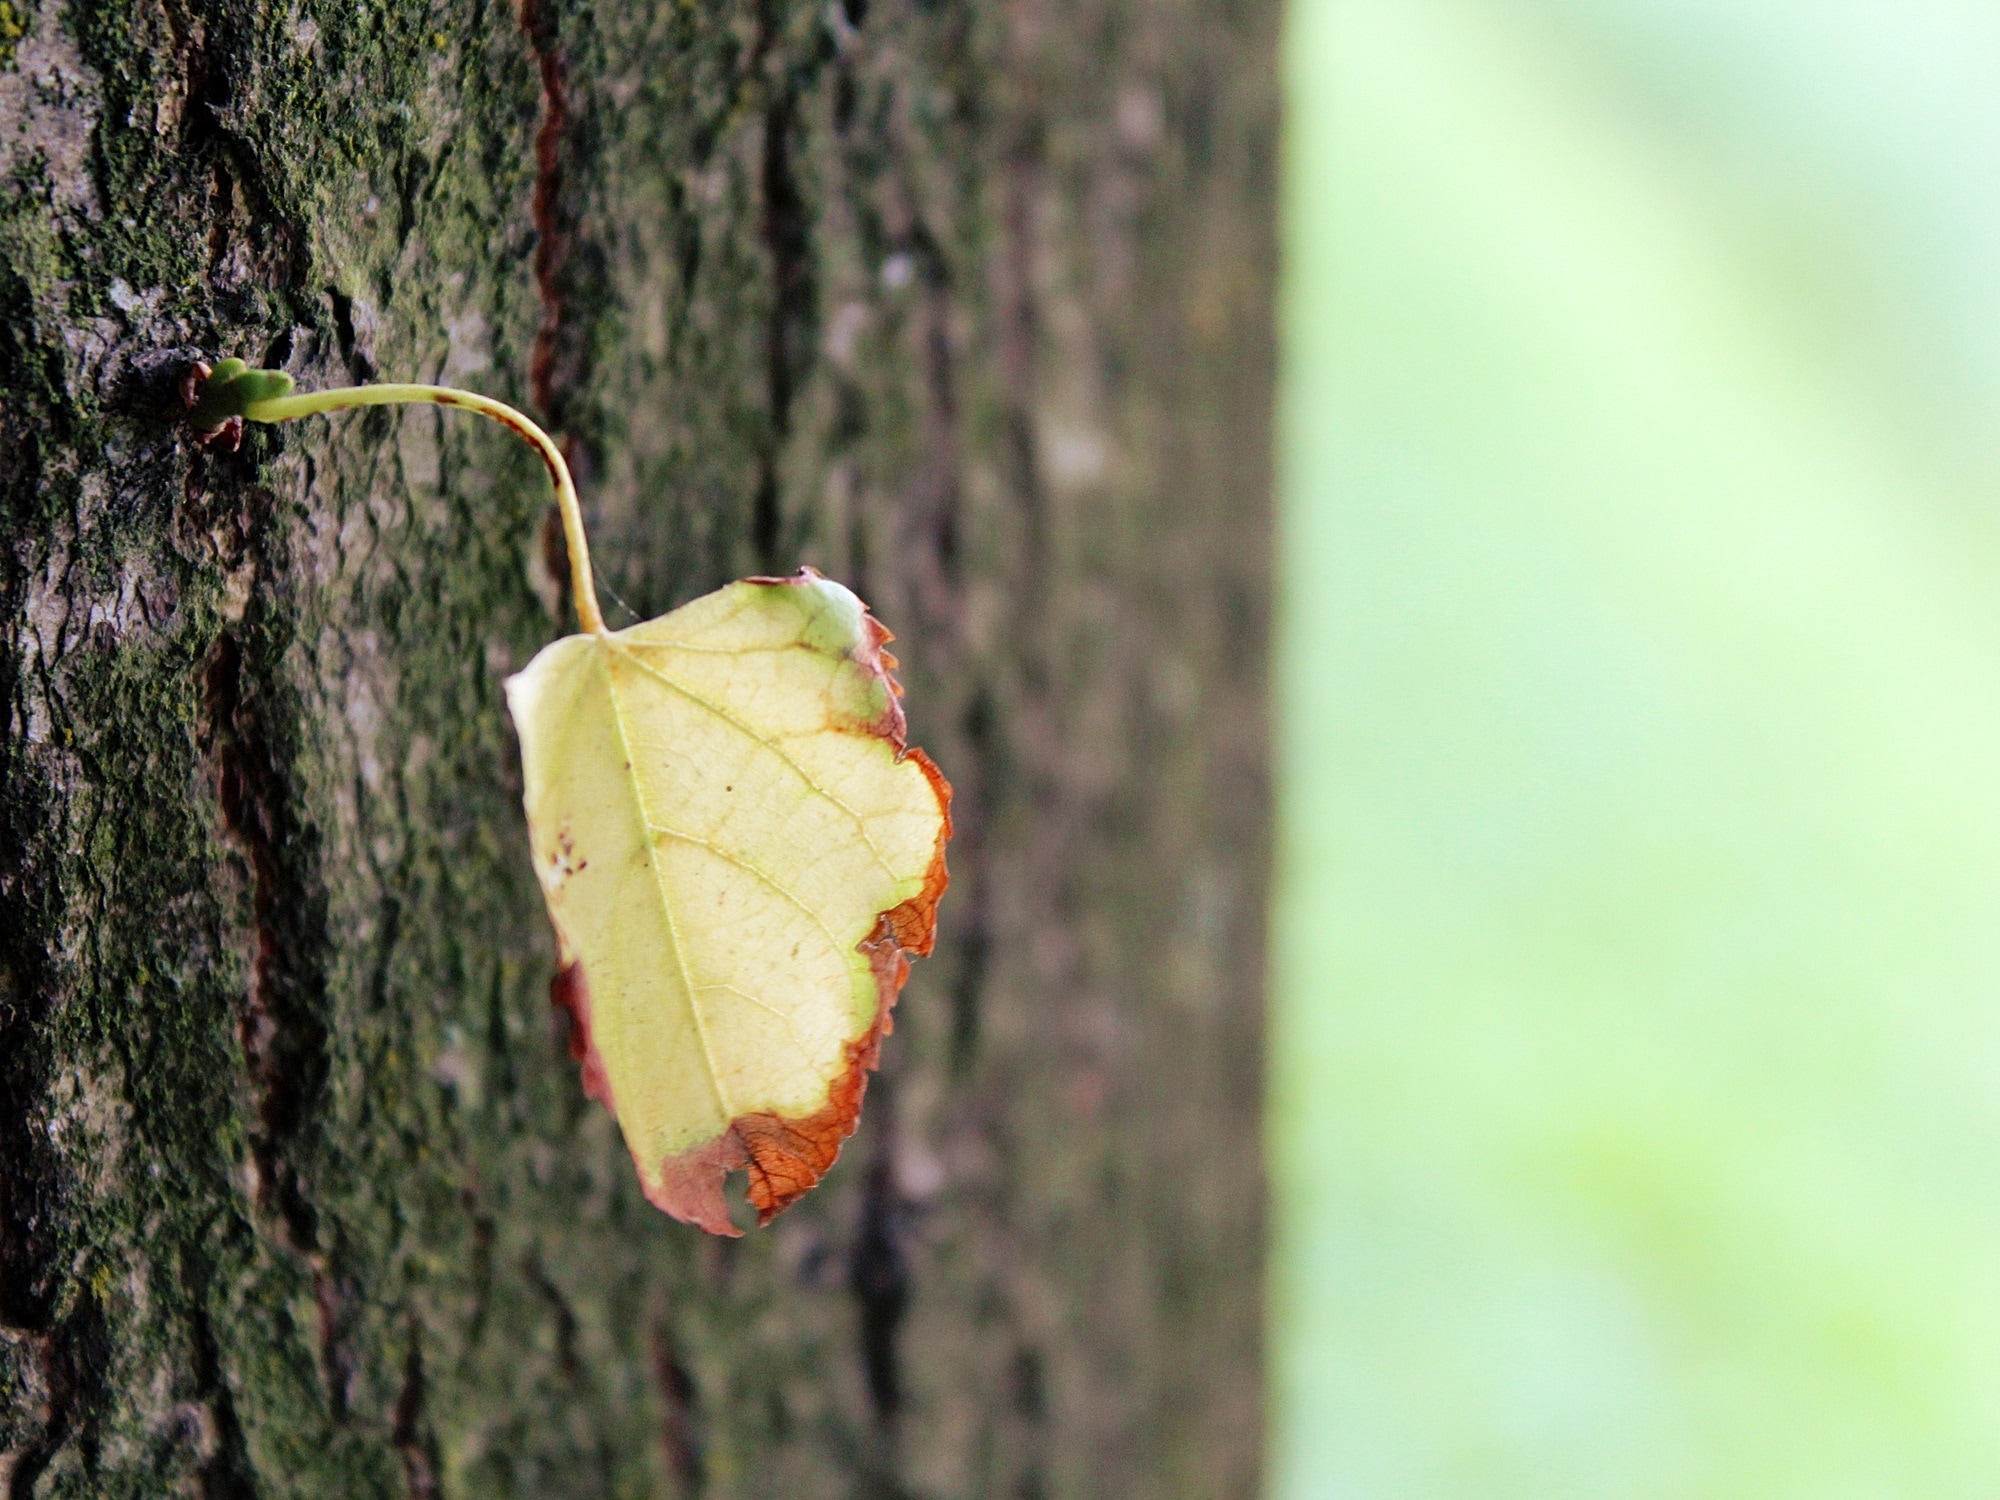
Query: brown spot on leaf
point(689, 1186)
point(787, 1155)
point(569, 992)
point(913, 924)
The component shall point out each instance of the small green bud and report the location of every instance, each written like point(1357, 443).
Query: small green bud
point(230, 390)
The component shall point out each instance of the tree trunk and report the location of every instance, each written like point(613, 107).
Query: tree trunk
point(965, 302)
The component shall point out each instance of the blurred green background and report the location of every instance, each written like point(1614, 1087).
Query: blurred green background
point(1636, 1064)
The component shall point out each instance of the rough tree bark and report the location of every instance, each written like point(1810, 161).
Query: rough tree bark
point(964, 301)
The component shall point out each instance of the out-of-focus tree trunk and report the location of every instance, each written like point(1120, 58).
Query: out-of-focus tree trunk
point(965, 302)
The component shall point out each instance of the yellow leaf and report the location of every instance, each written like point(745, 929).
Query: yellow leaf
point(738, 853)
point(737, 850)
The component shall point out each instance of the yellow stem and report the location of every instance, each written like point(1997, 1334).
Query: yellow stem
point(582, 588)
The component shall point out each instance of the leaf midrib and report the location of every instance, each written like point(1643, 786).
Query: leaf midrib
point(659, 884)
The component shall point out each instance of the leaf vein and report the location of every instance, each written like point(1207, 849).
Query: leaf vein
point(749, 869)
point(666, 906)
point(790, 1026)
point(769, 743)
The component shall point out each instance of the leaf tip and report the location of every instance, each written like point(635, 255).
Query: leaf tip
point(688, 1187)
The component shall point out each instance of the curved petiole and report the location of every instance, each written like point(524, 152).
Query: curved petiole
point(219, 400)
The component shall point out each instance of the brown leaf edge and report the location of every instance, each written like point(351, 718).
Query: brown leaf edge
point(787, 1156)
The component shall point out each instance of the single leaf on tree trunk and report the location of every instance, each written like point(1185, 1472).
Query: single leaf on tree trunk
point(738, 852)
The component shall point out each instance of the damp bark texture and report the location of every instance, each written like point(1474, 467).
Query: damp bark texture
point(965, 302)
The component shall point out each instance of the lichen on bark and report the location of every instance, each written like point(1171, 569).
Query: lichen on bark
point(964, 303)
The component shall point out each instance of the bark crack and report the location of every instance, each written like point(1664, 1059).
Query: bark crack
point(680, 1413)
point(785, 229)
point(283, 1041)
point(552, 233)
point(879, 1274)
point(415, 1445)
point(565, 1318)
point(226, 1472)
point(281, 1028)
